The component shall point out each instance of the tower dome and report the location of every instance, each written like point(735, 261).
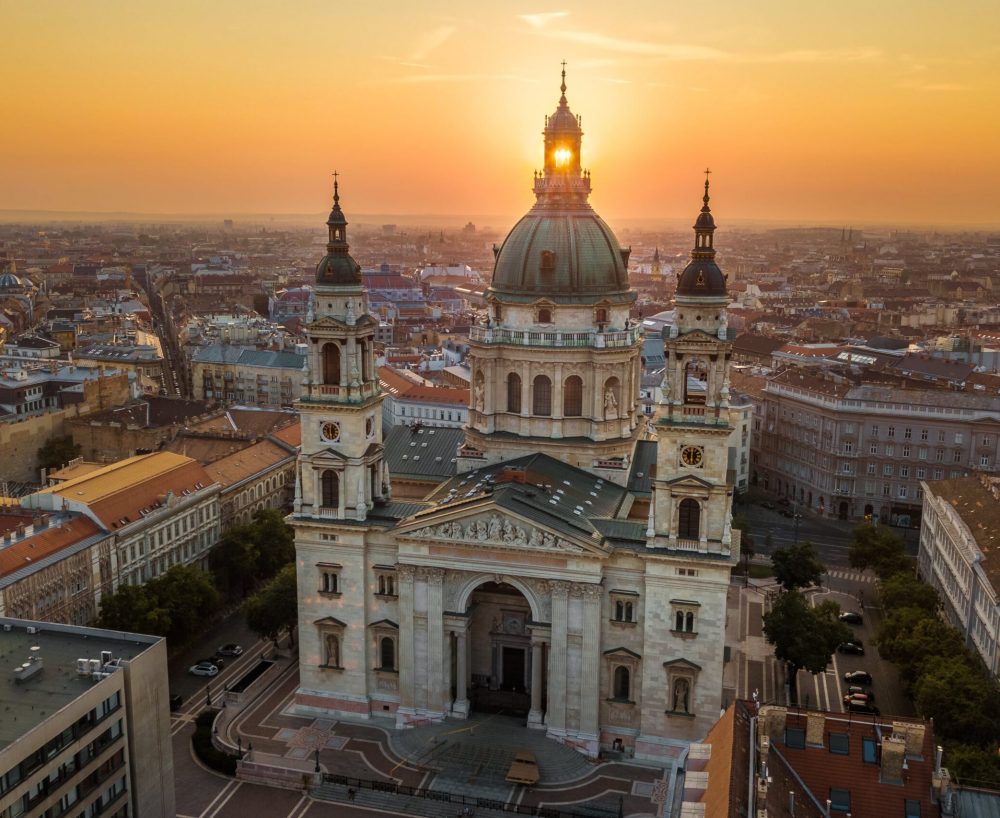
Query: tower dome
point(337, 267)
point(9, 281)
point(561, 249)
point(702, 277)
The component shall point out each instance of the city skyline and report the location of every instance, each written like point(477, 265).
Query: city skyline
point(803, 113)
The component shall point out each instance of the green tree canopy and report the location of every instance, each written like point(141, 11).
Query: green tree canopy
point(880, 549)
point(274, 609)
point(904, 590)
point(233, 561)
point(57, 452)
point(275, 541)
point(909, 637)
point(972, 765)
point(797, 566)
point(804, 636)
point(962, 700)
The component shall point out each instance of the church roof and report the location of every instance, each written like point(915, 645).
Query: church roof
point(423, 453)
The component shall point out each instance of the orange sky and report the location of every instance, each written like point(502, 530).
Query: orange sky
point(842, 112)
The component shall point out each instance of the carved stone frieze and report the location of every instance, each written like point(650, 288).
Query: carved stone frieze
point(496, 530)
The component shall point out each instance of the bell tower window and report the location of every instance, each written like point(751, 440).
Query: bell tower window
point(331, 364)
point(331, 489)
point(689, 520)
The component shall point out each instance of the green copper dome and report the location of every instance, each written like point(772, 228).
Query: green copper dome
point(338, 267)
point(561, 250)
point(566, 256)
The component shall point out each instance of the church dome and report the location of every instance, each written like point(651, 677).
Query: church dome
point(9, 281)
point(561, 250)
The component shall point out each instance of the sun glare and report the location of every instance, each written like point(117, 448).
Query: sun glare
point(562, 156)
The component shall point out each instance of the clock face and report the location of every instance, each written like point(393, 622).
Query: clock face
point(692, 456)
point(330, 431)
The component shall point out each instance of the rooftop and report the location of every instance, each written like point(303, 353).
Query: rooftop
point(979, 509)
point(27, 704)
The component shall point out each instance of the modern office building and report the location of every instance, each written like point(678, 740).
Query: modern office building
point(85, 725)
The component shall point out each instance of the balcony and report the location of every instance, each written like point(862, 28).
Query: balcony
point(558, 339)
point(330, 393)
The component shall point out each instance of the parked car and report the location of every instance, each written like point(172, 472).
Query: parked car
point(851, 618)
point(218, 661)
point(858, 697)
point(855, 690)
point(768, 505)
point(858, 677)
point(851, 647)
point(203, 669)
point(175, 702)
point(855, 706)
point(230, 649)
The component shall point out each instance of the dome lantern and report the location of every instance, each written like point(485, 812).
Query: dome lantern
point(702, 277)
point(337, 267)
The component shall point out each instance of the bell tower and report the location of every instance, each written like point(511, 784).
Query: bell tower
point(692, 491)
point(341, 466)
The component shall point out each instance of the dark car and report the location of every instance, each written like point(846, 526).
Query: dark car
point(768, 505)
point(215, 660)
point(851, 647)
point(175, 702)
point(851, 618)
point(855, 706)
point(230, 649)
point(862, 677)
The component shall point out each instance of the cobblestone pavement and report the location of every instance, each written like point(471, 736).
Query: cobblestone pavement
point(463, 757)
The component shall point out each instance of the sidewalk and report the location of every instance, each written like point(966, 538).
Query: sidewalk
point(752, 667)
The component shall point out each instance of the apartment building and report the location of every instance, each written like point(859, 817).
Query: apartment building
point(960, 556)
point(860, 452)
point(256, 377)
point(86, 728)
point(162, 508)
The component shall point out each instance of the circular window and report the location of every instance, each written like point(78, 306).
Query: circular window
point(697, 318)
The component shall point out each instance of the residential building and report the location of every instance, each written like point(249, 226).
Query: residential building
point(260, 377)
point(784, 763)
point(259, 476)
point(960, 557)
point(857, 452)
point(410, 400)
point(163, 509)
point(86, 728)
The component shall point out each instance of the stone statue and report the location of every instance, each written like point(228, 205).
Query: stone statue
point(681, 690)
point(481, 531)
point(610, 403)
point(520, 537)
point(494, 527)
point(536, 538)
point(508, 531)
point(548, 541)
point(479, 400)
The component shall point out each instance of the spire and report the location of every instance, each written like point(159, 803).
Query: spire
point(704, 225)
point(705, 208)
point(562, 88)
point(337, 267)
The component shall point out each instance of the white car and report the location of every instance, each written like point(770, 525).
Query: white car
point(203, 669)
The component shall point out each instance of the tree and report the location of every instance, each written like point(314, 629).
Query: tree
point(234, 561)
point(880, 549)
point(906, 591)
point(797, 566)
point(804, 636)
point(909, 637)
point(275, 541)
point(972, 765)
point(960, 698)
point(57, 452)
point(131, 609)
point(274, 609)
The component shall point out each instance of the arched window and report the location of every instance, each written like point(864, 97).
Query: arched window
point(601, 315)
point(619, 611)
point(628, 612)
point(332, 651)
point(689, 622)
point(331, 490)
point(542, 397)
point(514, 393)
point(679, 621)
point(331, 364)
point(689, 520)
point(497, 312)
point(573, 397)
point(545, 316)
point(695, 381)
point(387, 653)
point(623, 688)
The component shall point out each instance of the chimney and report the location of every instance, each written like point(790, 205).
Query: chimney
point(773, 718)
point(815, 722)
point(913, 734)
point(893, 755)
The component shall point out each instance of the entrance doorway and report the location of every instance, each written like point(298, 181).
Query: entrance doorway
point(499, 645)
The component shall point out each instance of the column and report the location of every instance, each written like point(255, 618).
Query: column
point(353, 374)
point(461, 674)
point(535, 717)
point(436, 692)
point(555, 715)
point(591, 692)
point(405, 647)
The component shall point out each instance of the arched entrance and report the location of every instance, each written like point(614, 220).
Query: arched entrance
point(500, 656)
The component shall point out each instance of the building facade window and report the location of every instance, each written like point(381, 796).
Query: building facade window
point(573, 396)
point(514, 393)
point(386, 584)
point(387, 653)
point(689, 519)
point(622, 684)
point(542, 396)
point(331, 489)
point(329, 579)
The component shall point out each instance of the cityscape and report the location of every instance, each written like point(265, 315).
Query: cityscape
point(345, 476)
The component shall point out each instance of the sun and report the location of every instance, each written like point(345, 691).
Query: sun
point(562, 156)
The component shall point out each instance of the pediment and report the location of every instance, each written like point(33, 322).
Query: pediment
point(622, 651)
point(682, 664)
point(495, 529)
point(330, 456)
point(330, 622)
point(326, 322)
point(695, 336)
point(690, 480)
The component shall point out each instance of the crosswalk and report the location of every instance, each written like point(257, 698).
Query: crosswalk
point(853, 576)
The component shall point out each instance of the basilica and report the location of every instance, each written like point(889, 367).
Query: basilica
point(573, 568)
